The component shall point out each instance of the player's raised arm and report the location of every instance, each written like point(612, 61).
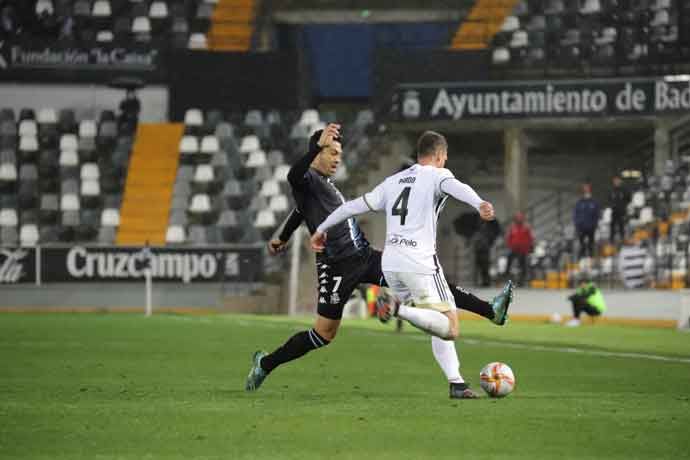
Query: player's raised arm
point(463, 192)
point(300, 167)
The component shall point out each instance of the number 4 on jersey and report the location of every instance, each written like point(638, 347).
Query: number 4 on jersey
point(400, 205)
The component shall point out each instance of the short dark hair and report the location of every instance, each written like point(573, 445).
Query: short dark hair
point(314, 140)
point(429, 142)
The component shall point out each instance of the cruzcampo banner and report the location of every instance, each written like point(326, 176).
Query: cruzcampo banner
point(541, 99)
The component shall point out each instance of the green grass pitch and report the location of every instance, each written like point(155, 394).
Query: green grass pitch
point(121, 386)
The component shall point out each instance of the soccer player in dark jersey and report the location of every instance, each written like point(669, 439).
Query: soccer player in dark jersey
point(347, 260)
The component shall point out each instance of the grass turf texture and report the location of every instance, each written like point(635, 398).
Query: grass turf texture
point(119, 386)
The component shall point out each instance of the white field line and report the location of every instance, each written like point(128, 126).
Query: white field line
point(515, 345)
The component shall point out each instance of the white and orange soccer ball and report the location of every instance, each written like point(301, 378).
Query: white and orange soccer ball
point(497, 379)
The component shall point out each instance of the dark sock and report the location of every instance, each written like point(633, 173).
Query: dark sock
point(466, 301)
point(296, 346)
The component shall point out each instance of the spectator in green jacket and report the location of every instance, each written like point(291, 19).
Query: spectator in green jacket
point(586, 299)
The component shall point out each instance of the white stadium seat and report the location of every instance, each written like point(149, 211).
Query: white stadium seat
point(249, 144)
point(8, 218)
point(69, 202)
point(193, 117)
point(189, 145)
point(68, 142)
point(201, 203)
point(110, 217)
point(28, 235)
point(175, 234)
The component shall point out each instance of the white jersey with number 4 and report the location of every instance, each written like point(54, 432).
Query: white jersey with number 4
point(413, 200)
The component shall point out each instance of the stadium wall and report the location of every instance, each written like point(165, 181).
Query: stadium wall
point(641, 307)
point(88, 100)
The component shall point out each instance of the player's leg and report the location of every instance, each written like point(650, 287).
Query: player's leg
point(426, 314)
point(335, 284)
point(445, 353)
point(496, 310)
point(579, 303)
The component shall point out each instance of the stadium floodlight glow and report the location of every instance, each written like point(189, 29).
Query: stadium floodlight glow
point(676, 78)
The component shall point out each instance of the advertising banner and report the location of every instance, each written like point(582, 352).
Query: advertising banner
point(541, 99)
point(115, 264)
point(17, 265)
point(38, 60)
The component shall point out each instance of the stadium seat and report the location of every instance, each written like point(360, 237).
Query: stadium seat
point(101, 9)
point(510, 24)
point(68, 142)
point(87, 128)
point(270, 188)
point(44, 6)
point(8, 236)
point(106, 235)
point(8, 218)
point(47, 116)
point(49, 209)
point(141, 29)
point(200, 209)
point(28, 235)
point(234, 195)
point(591, 7)
point(279, 204)
point(254, 118)
point(257, 159)
point(28, 148)
point(175, 235)
point(229, 225)
point(265, 223)
point(158, 10)
point(105, 36)
point(197, 41)
point(197, 235)
point(8, 175)
point(209, 145)
point(69, 202)
point(194, 118)
point(48, 234)
point(249, 144)
point(638, 199)
point(309, 117)
point(646, 215)
point(68, 159)
point(204, 177)
point(28, 173)
point(90, 193)
point(189, 148)
point(28, 128)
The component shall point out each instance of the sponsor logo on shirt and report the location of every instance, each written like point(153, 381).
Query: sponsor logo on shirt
point(398, 240)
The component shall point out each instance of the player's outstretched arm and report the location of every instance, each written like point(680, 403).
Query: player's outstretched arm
point(465, 193)
point(344, 212)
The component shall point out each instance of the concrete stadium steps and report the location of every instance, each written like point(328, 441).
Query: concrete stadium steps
point(232, 25)
point(149, 186)
point(482, 24)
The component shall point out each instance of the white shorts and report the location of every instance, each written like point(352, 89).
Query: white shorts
point(425, 291)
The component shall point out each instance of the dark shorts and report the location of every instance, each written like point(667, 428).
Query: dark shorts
point(337, 280)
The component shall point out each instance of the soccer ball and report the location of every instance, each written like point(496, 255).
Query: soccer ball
point(497, 379)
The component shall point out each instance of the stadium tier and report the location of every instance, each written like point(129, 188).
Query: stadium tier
point(194, 24)
point(575, 34)
point(69, 180)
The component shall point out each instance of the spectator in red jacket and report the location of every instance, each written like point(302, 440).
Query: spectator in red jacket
point(519, 241)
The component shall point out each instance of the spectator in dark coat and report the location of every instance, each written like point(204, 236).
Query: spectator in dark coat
point(586, 218)
point(618, 200)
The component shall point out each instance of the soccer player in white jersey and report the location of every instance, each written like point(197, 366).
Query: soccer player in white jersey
point(413, 200)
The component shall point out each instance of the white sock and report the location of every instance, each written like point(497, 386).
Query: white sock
point(447, 358)
point(430, 321)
